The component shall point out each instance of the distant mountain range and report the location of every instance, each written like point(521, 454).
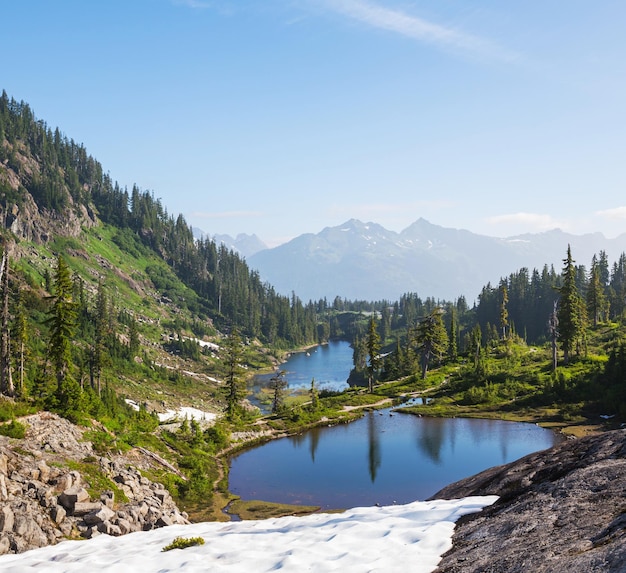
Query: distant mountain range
point(365, 261)
point(244, 244)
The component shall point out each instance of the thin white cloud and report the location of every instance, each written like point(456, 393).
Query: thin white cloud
point(194, 3)
point(528, 221)
point(401, 22)
point(616, 214)
point(226, 214)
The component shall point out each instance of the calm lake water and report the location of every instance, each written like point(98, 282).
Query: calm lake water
point(382, 458)
point(329, 364)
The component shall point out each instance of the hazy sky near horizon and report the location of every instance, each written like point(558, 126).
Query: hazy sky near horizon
point(280, 117)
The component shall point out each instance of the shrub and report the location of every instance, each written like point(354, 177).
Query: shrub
point(13, 429)
point(183, 542)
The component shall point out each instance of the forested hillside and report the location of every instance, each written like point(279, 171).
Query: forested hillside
point(50, 185)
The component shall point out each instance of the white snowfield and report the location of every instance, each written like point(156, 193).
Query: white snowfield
point(399, 538)
point(186, 412)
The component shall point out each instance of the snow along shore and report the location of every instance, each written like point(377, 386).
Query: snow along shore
point(398, 538)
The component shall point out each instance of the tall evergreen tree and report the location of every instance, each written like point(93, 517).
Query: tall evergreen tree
point(373, 353)
point(234, 352)
point(452, 335)
point(571, 309)
point(21, 345)
point(596, 300)
point(315, 397)
point(504, 310)
point(277, 385)
point(99, 351)
point(63, 325)
point(553, 331)
point(432, 339)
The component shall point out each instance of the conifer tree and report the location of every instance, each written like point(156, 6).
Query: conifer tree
point(452, 335)
point(475, 344)
point(596, 300)
point(277, 385)
point(21, 345)
point(315, 397)
point(432, 339)
point(373, 353)
point(234, 353)
point(359, 354)
point(504, 310)
point(98, 352)
point(571, 311)
point(63, 325)
point(133, 338)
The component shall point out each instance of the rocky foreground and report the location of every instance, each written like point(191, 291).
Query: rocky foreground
point(559, 510)
point(44, 501)
point(562, 510)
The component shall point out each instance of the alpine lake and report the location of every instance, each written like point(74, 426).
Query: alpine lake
point(382, 458)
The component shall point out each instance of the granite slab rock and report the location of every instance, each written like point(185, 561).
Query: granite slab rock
point(562, 510)
point(43, 502)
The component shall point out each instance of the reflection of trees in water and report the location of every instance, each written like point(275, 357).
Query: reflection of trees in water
point(313, 435)
point(487, 433)
point(374, 453)
point(297, 439)
point(314, 442)
point(506, 436)
point(430, 436)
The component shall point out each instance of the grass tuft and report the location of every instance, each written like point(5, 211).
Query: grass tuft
point(183, 542)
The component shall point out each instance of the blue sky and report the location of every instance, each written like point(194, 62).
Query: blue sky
point(280, 117)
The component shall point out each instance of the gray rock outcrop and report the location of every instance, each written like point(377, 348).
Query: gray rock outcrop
point(562, 510)
point(43, 501)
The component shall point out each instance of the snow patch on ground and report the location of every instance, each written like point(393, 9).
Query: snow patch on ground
point(392, 539)
point(186, 412)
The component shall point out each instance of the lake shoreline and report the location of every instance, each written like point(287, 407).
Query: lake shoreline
point(353, 413)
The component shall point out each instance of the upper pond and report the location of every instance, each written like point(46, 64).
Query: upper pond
point(383, 458)
point(329, 364)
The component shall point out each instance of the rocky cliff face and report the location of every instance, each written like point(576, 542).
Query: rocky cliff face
point(20, 213)
point(43, 501)
point(562, 510)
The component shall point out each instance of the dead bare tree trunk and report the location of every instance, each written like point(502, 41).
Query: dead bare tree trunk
point(553, 329)
point(6, 380)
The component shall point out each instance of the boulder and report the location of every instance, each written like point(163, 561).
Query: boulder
point(44, 471)
point(7, 519)
point(5, 544)
point(560, 510)
point(27, 528)
point(82, 508)
point(42, 502)
point(98, 516)
point(109, 528)
point(4, 492)
point(73, 495)
point(57, 514)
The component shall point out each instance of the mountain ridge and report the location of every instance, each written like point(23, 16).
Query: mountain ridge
point(357, 260)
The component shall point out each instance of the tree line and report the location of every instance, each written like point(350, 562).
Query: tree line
point(227, 290)
point(538, 307)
